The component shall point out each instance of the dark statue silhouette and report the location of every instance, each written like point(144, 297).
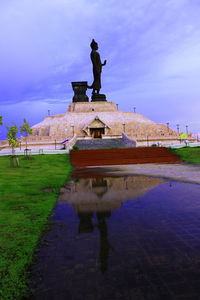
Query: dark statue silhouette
point(97, 69)
point(80, 87)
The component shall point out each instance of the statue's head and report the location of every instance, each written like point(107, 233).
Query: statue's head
point(94, 45)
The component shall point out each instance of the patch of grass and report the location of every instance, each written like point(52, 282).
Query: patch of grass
point(28, 194)
point(189, 154)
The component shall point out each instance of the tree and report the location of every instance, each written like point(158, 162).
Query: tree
point(1, 123)
point(25, 129)
point(13, 142)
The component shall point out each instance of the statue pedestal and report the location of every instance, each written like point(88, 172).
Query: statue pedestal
point(98, 97)
point(90, 107)
point(79, 89)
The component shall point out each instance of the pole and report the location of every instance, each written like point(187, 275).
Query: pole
point(177, 125)
point(124, 127)
point(72, 126)
point(55, 144)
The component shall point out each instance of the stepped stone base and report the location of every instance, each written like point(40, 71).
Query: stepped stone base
point(93, 119)
point(101, 144)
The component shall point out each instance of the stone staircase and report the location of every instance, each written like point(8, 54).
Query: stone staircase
point(101, 144)
point(143, 155)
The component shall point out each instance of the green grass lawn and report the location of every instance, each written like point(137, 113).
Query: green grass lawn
point(28, 194)
point(189, 154)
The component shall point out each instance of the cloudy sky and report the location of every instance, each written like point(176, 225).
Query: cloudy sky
point(152, 49)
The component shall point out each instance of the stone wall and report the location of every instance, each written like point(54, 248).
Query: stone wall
point(128, 141)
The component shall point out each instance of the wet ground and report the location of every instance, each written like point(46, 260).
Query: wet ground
point(184, 171)
point(129, 237)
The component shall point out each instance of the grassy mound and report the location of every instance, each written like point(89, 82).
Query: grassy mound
point(28, 194)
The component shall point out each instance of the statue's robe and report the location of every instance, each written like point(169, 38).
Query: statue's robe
point(97, 68)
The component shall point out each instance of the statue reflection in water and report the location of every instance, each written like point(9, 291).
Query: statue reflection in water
point(98, 195)
point(104, 241)
point(86, 226)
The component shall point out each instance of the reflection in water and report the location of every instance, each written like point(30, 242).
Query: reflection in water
point(99, 186)
point(85, 224)
point(101, 249)
point(101, 195)
point(105, 193)
point(104, 241)
point(126, 181)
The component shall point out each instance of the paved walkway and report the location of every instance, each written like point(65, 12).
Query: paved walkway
point(189, 172)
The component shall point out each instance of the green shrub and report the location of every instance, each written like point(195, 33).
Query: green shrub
point(75, 147)
point(153, 145)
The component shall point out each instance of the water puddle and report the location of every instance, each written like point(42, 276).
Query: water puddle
point(130, 237)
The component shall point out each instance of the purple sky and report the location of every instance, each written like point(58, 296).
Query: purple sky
point(152, 49)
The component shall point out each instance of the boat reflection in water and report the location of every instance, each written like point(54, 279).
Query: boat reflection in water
point(100, 196)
